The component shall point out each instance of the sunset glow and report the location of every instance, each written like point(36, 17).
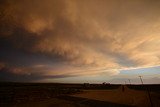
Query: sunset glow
point(80, 40)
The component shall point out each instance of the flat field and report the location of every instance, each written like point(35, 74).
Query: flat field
point(78, 95)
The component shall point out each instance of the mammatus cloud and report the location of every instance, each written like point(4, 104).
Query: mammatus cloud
point(87, 37)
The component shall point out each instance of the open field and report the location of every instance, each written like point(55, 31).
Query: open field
point(123, 96)
point(78, 95)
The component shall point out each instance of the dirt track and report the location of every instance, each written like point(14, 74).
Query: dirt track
point(70, 101)
point(122, 95)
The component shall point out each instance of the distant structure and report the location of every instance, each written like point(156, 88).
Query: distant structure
point(105, 83)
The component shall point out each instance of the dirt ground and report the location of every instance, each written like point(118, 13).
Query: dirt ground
point(123, 95)
point(50, 103)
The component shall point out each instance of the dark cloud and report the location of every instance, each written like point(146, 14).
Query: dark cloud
point(78, 37)
point(15, 75)
point(9, 76)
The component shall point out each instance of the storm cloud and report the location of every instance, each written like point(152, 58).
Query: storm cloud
point(79, 37)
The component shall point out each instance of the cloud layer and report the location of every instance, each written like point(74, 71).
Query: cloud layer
point(83, 37)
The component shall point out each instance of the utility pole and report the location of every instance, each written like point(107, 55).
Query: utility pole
point(141, 79)
point(147, 91)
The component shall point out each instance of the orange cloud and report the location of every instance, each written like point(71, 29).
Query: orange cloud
point(87, 35)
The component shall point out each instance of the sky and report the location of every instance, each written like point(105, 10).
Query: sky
point(77, 41)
